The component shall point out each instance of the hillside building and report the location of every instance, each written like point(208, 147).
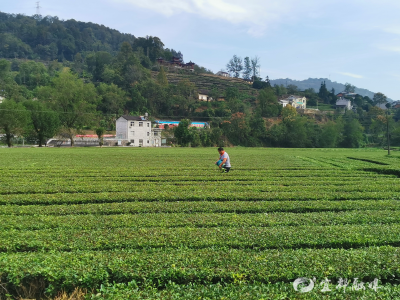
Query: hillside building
point(161, 124)
point(342, 103)
point(176, 63)
point(295, 101)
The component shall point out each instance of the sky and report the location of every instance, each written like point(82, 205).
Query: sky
point(354, 41)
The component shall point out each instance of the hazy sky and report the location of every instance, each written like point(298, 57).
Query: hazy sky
point(355, 41)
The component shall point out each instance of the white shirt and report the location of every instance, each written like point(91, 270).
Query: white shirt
point(228, 161)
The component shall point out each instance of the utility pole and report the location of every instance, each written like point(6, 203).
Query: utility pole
point(387, 130)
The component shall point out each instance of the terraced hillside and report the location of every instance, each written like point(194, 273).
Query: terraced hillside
point(136, 223)
point(208, 81)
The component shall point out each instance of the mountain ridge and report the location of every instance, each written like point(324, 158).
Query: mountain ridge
point(315, 83)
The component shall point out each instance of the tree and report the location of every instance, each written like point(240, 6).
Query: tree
point(292, 89)
point(32, 74)
point(348, 88)
point(259, 85)
point(237, 129)
point(247, 68)
point(45, 122)
point(280, 90)
point(288, 113)
point(258, 131)
point(100, 133)
point(13, 119)
point(128, 68)
point(235, 66)
point(182, 133)
point(162, 77)
point(268, 103)
point(268, 82)
point(255, 67)
point(97, 62)
point(379, 98)
point(323, 93)
point(330, 135)
point(112, 99)
point(352, 133)
point(74, 100)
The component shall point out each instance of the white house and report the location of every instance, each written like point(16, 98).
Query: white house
point(295, 101)
point(344, 103)
point(223, 74)
point(2, 99)
point(204, 95)
point(138, 131)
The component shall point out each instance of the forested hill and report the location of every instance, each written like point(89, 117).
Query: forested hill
point(315, 83)
point(49, 38)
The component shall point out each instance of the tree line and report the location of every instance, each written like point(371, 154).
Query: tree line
point(91, 90)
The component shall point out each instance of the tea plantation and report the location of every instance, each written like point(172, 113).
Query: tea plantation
point(136, 223)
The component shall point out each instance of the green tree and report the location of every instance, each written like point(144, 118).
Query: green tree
point(74, 100)
point(235, 66)
point(352, 133)
point(348, 88)
point(379, 98)
point(182, 133)
point(247, 71)
point(32, 74)
point(268, 104)
point(13, 120)
point(112, 99)
point(237, 129)
point(128, 68)
point(330, 135)
point(100, 133)
point(288, 113)
point(292, 89)
point(280, 90)
point(323, 93)
point(258, 131)
point(255, 67)
point(97, 62)
point(162, 77)
point(45, 122)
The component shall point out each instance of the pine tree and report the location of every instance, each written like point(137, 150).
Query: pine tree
point(323, 92)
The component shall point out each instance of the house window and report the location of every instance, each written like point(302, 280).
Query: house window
point(132, 124)
point(148, 134)
point(140, 142)
point(132, 141)
point(148, 142)
point(132, 133)
point(140, 124)
point(148, 124)
point(155, 133)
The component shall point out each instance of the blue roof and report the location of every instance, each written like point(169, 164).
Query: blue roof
point(177, 122)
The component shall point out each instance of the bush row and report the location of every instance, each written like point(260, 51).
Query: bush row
point(341, 236)
point(199, 220)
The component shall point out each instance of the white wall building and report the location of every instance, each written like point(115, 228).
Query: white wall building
point(295, 101)
point(344, 104)
point(138, 131)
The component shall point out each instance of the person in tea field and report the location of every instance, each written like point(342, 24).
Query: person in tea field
point(224, 162)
